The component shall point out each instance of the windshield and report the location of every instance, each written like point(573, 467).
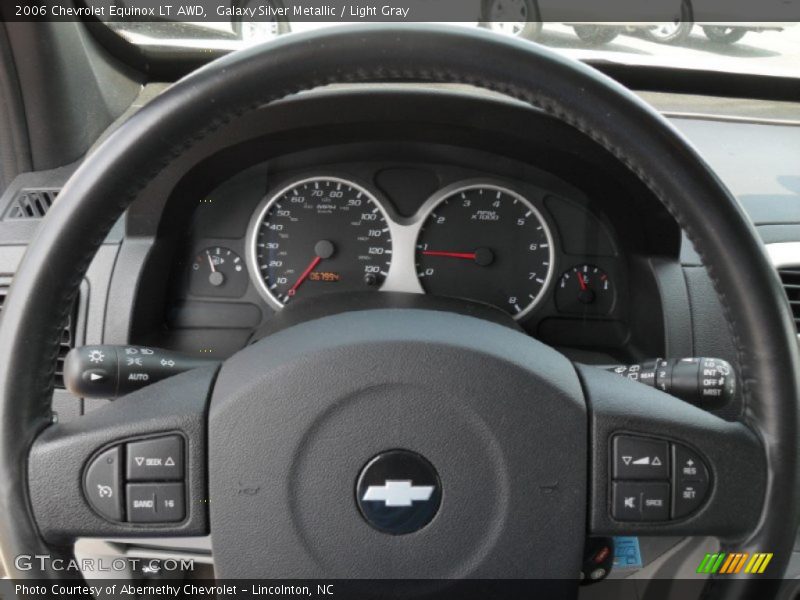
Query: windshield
point(766, 48)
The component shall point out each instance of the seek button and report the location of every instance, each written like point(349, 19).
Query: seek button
point(156, 459)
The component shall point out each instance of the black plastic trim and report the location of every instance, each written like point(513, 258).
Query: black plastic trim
point(731, 451)
point(15, 152)
point(64, 75)
point(59, 457)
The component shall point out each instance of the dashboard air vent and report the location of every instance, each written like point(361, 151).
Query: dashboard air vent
point(66, 343)
point(31, 204)
point(790, 277)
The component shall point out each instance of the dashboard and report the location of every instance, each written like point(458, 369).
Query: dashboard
point(403, 197)
point(263, 242)
point(479, 239)
point(400, 195)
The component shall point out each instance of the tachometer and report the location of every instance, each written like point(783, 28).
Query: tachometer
point(487, 243)
point(318, 235)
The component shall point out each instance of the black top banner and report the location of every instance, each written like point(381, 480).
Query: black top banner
point(766, 13)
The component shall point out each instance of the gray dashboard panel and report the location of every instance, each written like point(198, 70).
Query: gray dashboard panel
point(759, 163)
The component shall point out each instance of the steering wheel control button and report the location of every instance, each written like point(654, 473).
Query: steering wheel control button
point(101, 484)
point(688, 465)
point(683, 488)
point(690, 481)
point(155, 502)
point(627, 502)
point(688, 496)
point(640, 458)
point(641, 501)
point(155, 459)
point(398, 492)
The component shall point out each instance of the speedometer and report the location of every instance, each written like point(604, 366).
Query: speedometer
point(487, 243)
point(319, 235)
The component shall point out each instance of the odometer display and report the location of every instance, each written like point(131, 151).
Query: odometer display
point(319, 235)
point(486, 243)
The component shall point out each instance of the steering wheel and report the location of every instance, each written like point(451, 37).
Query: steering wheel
point(514, 440)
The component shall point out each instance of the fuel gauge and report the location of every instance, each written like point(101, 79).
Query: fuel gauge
point(585, 289)
point(218, 271)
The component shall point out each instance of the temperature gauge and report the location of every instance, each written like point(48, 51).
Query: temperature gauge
point(585, 289)
point(218, 271)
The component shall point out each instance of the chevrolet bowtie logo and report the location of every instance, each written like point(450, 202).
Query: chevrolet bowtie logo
point(398, 493)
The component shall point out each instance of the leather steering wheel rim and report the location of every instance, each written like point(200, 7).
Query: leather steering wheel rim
point(47, 281)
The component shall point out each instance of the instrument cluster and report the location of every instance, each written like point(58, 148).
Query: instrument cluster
point(480, 239)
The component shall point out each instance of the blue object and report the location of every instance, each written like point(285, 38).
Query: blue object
point(626, 553)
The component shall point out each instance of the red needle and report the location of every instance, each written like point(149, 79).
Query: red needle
point(304, 275)
point(467, 255)
point(582, 281)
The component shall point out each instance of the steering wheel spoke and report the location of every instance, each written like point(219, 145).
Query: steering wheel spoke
point(661, 466)
point(135, 467)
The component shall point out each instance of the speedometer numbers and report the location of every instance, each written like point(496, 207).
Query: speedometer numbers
point(319, 235)
point(486, 243)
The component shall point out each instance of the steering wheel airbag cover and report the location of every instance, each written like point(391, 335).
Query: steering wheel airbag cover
point(296, 416)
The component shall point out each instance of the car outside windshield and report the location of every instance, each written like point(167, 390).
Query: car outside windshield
point(764, 48)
